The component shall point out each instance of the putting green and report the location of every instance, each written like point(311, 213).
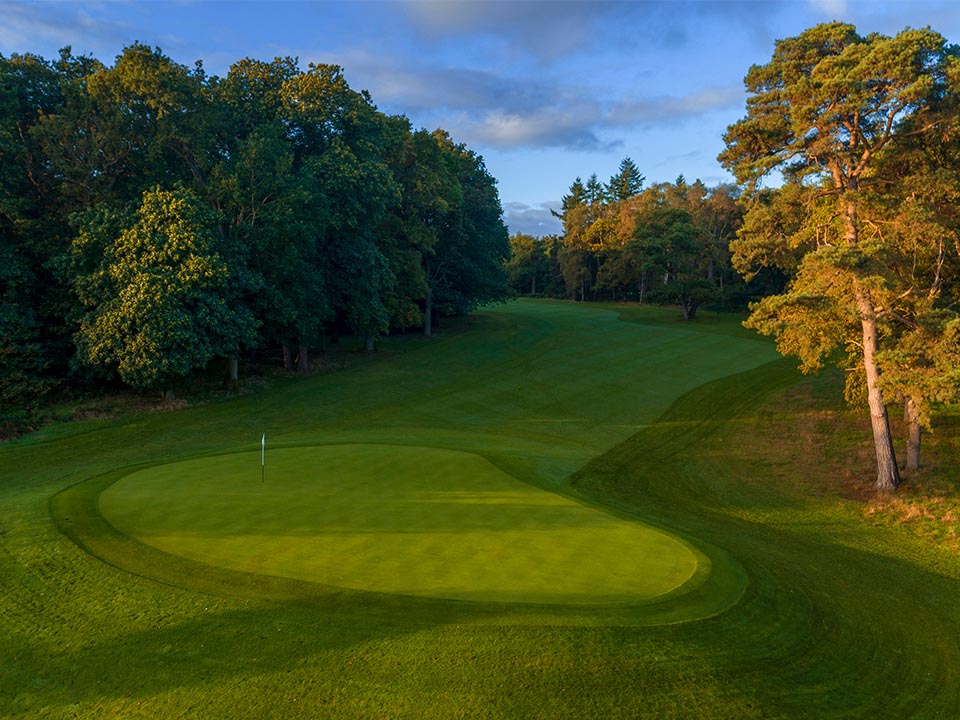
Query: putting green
point(408, 520)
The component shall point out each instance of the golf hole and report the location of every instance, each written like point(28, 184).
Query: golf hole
point(416, 521)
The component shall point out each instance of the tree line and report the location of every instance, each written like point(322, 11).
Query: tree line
point(154, 218)
point(668, 244)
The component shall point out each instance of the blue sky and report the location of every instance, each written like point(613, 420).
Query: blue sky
point(546, 91)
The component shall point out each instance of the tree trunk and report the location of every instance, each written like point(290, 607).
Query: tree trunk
point(169, 395)
point(303, 360)
point(888, 474)
point(533, 285)
point(428, 315)
point(643, 284)
point(369, 341)
point(232, 379)
point(287, 358)
point(912, 416)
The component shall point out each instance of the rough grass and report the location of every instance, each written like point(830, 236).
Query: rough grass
point(812, 423)
point(834, 615)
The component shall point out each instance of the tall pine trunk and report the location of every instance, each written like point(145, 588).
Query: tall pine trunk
point(912, 417)
point(888, 474)
point(287, 357)
point(303, 360)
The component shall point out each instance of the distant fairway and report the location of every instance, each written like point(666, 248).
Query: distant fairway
point(407, 520)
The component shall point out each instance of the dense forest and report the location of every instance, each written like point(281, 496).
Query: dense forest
point(155, 219)
point(667, 244)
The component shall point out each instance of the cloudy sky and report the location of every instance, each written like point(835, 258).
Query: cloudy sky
point(545, 90)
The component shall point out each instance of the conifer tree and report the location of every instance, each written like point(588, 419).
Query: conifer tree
point(823, 110)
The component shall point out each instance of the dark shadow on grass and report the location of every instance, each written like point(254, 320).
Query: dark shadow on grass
point(824, 629)
point(206, 650)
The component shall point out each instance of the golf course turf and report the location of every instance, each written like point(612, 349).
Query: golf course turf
point(398, 519)
point(431, 524)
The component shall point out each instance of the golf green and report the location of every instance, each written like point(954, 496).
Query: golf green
point(397, 519)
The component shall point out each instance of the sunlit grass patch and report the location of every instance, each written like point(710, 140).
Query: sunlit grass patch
point(408, 520)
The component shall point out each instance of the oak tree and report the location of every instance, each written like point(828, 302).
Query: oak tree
point(158, 305)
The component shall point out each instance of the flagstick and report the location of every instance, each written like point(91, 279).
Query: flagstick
point(263, 452)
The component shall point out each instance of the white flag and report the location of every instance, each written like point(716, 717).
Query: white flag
point(263, 448)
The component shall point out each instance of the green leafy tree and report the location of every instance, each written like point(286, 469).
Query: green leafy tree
point(920, 220)
point(528, 263)
point(270, 205)
point(159, 305)
point(825, 107)
point(670, 241)
point(123, 128)
point(354, 190)
point(466, 268)
point(340, 140)
point(430, 194)
point(298, 203)
point(579, 211)
point(34, 334)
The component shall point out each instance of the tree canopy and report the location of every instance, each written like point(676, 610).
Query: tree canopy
point(153, 217)
point(667, 243)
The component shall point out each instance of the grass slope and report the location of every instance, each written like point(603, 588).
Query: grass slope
point(619, 408)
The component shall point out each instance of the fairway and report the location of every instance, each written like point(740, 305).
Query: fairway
point(546, 510)
point(406, 520)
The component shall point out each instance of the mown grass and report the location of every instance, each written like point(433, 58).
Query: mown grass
point(398, 519)
point(675, 425)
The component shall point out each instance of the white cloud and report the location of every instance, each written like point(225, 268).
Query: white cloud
point(666, 108)
point(833, 9)
point(507, 111)
point(572, 128)
point(536, 220)
point(545, 29)
point(43, 28)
